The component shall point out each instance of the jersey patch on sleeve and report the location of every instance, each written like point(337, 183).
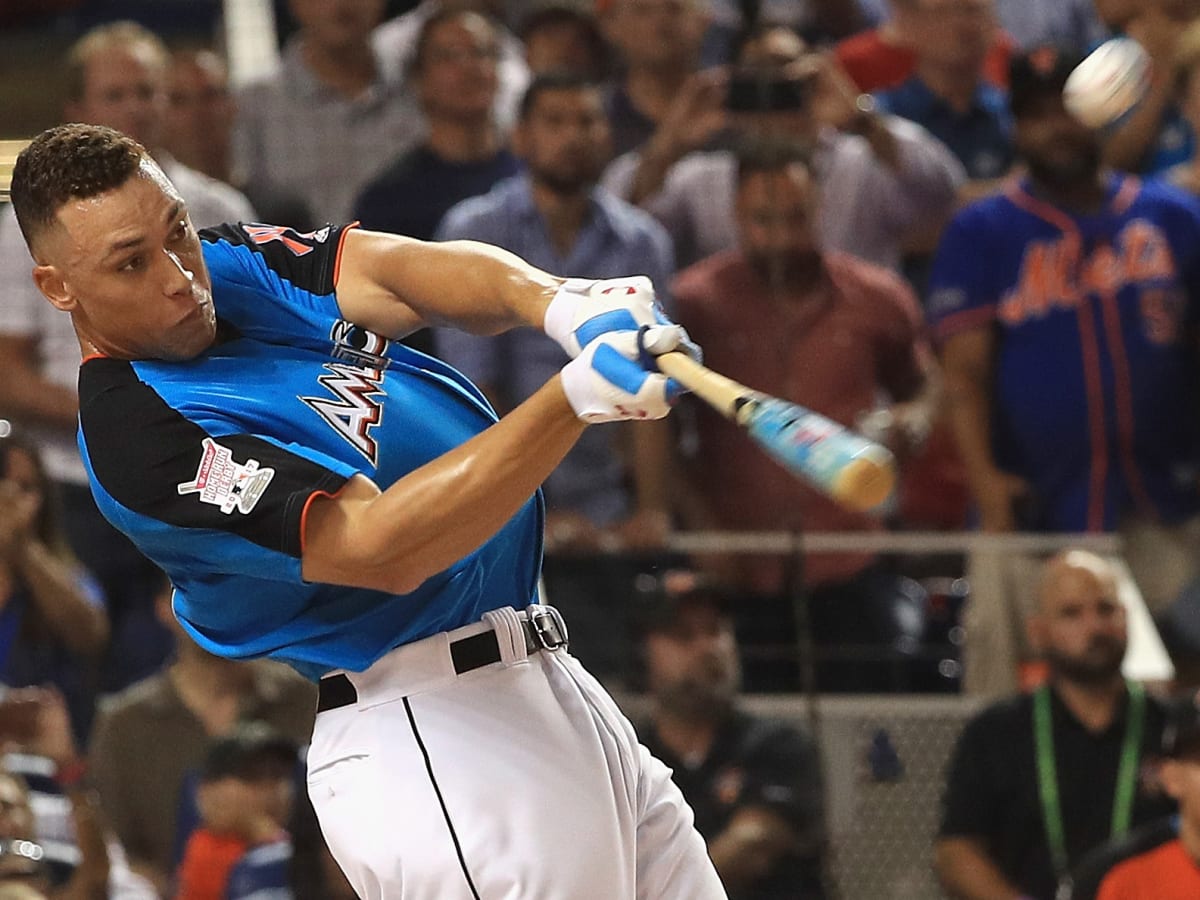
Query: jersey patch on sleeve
point(225, 483)
point(154, 461)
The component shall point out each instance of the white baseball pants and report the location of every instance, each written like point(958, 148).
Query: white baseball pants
point(518, 779)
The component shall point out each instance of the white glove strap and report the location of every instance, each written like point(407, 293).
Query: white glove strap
point(559, 322)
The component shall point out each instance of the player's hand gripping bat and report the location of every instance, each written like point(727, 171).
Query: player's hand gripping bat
point(856, 472)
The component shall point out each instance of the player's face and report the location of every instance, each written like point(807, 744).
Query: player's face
point(693, 666)
point(457, 75)
point(775, 213)
point(124, 89)
point(127, 266)
point(1082, 622)
point(565, 139)
point(1058, 149)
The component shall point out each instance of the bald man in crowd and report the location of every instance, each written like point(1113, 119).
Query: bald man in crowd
point(1039, 779)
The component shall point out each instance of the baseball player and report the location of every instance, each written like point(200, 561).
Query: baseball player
point(326, 496)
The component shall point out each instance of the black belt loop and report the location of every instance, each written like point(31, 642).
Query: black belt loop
point(544, 628)
point(334, 692)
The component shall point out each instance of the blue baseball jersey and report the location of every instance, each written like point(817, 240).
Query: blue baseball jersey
point(209, 465)
point(1094, 394)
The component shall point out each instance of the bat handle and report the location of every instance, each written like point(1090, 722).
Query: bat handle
point(723, 394)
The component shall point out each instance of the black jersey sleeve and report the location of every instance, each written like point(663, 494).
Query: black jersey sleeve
point(173, 486)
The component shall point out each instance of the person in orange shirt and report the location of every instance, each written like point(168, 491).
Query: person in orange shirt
point(1170, 871)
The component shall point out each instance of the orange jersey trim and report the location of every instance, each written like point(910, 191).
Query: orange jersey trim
point(337, 261)
point(304, 513)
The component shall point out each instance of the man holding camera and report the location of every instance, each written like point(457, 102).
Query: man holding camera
point(882, 177)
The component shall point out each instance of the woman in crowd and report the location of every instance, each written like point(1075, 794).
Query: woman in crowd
point(53, 624)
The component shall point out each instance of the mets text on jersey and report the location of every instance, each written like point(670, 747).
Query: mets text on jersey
point(1056, 275)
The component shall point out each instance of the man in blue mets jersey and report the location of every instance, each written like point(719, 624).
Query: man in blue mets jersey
point(1066, 307)
point(325, 496)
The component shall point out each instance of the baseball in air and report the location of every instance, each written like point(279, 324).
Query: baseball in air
point(1109, 83)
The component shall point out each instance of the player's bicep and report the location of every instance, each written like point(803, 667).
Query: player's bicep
point(371, 267)
point(391, 284)
point(330, 544)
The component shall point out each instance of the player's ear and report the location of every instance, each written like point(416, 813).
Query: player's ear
point(50, 282)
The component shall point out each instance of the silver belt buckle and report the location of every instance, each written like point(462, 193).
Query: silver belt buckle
point(548, 626)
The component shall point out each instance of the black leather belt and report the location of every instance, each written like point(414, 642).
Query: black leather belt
point(544, 629)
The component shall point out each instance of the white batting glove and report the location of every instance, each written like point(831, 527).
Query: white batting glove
point(582, 310)
point(611, 381)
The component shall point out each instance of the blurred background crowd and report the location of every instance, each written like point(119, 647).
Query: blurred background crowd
point(876, 208)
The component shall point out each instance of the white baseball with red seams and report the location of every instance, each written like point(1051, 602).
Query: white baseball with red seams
point(1109, 83)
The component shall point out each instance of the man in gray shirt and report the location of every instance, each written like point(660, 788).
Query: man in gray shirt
point(883, 179)
point(331, 118)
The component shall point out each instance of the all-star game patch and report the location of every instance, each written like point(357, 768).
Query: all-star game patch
point(225, 483)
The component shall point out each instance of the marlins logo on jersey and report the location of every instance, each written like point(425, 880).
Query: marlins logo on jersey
point(355, 408)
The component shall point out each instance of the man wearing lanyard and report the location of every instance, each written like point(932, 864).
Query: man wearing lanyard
point(1038, 780)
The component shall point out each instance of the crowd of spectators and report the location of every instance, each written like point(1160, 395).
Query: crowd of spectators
point(878, 209)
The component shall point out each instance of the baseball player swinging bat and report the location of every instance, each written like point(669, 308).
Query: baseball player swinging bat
point(854, 471)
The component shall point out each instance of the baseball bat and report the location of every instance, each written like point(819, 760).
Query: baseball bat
point(856, 472)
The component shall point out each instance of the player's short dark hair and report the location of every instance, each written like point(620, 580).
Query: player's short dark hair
point(757, 155)
point(544, 82)
point(69, 162)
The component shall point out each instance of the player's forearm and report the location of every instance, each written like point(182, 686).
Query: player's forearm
point(968, 873)
point(439, 513)
point(392, 284)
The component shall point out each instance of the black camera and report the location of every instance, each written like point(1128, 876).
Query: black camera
point(765, 91)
